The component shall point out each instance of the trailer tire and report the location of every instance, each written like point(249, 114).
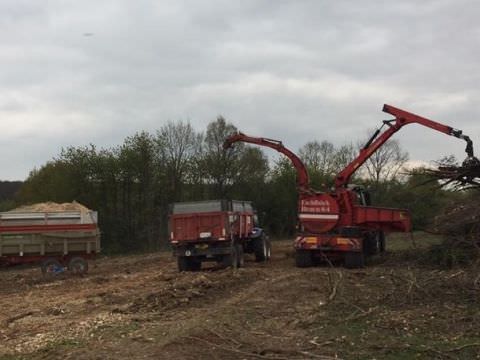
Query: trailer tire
point(354, 260)
point(78, 266)
point(240, 257)
point(231, 260)
point(260, 248)
point(303, 258)
point(51, 267)
point(187, 263)
point(381, 242)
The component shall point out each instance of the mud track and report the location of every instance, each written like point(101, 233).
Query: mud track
point(141, 307)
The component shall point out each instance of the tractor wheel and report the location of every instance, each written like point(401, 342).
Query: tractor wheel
point(260, 248)
point(78, 266)
point(354, 260)
point(303, 258)
point(269, 249)
point(51, 268)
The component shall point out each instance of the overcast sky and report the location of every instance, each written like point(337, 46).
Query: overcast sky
point(80, 72)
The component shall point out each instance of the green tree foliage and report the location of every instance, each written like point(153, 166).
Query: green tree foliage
point(324, 161)
point(423, 197)
point(282, 197)
point(220, 167)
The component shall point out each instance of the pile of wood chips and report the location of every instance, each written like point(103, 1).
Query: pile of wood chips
point(52, 207)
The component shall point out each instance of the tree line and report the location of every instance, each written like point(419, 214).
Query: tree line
point(133, 184)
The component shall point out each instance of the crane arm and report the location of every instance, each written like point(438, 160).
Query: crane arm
point(402, 118)
point(303, 182)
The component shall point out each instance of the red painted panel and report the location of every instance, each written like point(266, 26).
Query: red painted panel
point(210, 226)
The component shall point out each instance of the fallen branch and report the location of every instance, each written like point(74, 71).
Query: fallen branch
point(464, 347)
point(18, 317)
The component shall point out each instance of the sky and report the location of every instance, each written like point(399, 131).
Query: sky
point(81, 72)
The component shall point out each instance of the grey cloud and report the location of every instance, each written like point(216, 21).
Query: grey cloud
point(292, 70)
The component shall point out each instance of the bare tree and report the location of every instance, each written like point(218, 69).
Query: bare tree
point(319, 157)
point(386, 162)
point(344, 155)
point(177, 145)
point(220, 167)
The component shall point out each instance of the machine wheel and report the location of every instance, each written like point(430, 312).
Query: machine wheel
point(187, 263)
point(354, 260)
point(52, 267)
point(78, 266)
point(303, 258)
point(370, 244)
point(260, 248)
point(231, 260)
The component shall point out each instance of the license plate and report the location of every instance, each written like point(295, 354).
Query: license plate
point(201, 246)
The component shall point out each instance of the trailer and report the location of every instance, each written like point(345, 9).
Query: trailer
point(58, 240)
point(216, 230)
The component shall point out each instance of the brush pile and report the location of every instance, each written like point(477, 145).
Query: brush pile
point(460, 226)
point(455, 176)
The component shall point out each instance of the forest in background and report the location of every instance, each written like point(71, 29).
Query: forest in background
point(132, 185)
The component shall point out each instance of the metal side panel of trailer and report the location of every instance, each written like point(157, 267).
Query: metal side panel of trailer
point(28, 218)
point(44, 244)
point(211, 206)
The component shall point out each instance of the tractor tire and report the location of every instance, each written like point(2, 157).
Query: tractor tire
point(187, 263)
point(51, 268)
point(260, 248)
point(269, 249)
point(303, 258)
point(78, 266)
point(354, 260)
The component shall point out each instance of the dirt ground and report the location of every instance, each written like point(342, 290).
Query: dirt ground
point(133, 307)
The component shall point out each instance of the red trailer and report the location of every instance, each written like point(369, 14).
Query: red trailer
point(215, 230)
point(56, 239)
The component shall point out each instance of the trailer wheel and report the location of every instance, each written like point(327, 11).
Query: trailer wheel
point(354, 260)
point(303, 258)
point(78, 266)
point(240, 257)
point(231, 260)
point(51, 268)
point(187, 263)
point(260, 248)
point(381, 242)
